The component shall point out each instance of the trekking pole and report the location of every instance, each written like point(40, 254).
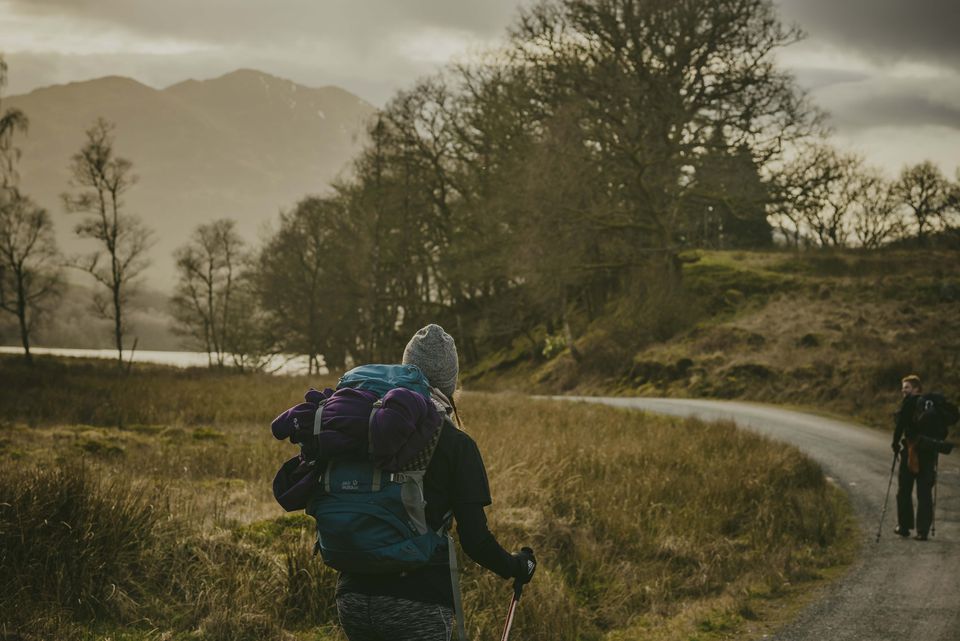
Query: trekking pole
point(933, 515)
point(517, 591)
point(887, 498)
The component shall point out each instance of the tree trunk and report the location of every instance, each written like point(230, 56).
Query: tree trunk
point(568, 336)
point(22, 318)
point(208, 345)
point(568, 332)
point(225, 335)
point(118, 326)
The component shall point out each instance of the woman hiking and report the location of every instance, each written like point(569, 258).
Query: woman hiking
point(418, 605)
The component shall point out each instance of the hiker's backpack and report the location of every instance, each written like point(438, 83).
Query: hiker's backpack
point(383, 378)
point(934, 415)
point(370, 520)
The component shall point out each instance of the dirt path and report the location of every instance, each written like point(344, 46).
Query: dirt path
point(901, 590)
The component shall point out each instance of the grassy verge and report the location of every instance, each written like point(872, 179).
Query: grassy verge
point(166, 529)
point(834, 331)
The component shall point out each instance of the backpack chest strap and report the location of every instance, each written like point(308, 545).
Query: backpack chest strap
point(373, 413)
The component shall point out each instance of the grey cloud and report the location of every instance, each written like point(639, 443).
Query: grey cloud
point(813, 78)
point(884, 30)
point(29, 71)
point(893, 102)
point(901, 111)
point(290, 21)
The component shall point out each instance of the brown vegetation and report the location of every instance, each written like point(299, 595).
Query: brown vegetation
point(166, 528)
point(833, 331)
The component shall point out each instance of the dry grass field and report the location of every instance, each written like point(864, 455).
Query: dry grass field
point(140, 508)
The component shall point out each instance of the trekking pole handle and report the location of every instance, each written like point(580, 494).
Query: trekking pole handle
point(530, 566)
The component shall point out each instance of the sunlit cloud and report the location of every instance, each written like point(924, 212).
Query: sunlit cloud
point(68, 35)
point(891, 148)
point(437, 46)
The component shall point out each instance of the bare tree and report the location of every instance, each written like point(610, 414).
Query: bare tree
point(832, 198)
point(798, 190)
point(876, 218)
point(100, 180)
point(832, 207)
point(925, 192)
point(29, 262)
point(11, 120)
point(207, 267)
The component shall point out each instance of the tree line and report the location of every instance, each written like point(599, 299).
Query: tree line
point(527, 193)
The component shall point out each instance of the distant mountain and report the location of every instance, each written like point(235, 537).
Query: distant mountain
point(243, 145)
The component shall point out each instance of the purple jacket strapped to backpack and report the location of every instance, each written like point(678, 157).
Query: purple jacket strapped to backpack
point(351, 427)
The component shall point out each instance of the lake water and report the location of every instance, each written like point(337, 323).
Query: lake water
point(291, 365)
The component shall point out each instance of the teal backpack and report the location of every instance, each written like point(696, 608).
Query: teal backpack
point(372, 521)
point(380, 379)
point(369, 520)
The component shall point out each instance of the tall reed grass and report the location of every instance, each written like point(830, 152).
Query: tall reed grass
point(644, 526)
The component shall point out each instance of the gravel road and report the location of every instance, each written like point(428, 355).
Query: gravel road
point(901, 590)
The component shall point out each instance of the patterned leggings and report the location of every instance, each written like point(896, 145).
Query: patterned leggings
point(385, 618)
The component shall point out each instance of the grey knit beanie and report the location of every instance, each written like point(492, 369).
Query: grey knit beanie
point(435, 353)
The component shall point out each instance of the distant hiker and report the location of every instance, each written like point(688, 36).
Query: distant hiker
point(922, 424)
point(419, 604)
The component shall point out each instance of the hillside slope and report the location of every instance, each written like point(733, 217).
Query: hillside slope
point(827, 330)
point(243, 145)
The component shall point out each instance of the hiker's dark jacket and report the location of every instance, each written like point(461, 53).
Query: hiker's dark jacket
point(903, 420)
point(917, 466)
point(456, 479)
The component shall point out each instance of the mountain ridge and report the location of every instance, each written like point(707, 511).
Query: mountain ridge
point(243, 145)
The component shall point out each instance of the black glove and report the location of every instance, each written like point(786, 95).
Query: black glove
point(895, 447)
point(526, 565)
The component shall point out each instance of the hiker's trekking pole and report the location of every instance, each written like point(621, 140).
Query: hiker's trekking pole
point(887, 497)
point(933, 515)
point(517, 591)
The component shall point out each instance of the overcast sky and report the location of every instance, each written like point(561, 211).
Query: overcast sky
point(888, 71)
